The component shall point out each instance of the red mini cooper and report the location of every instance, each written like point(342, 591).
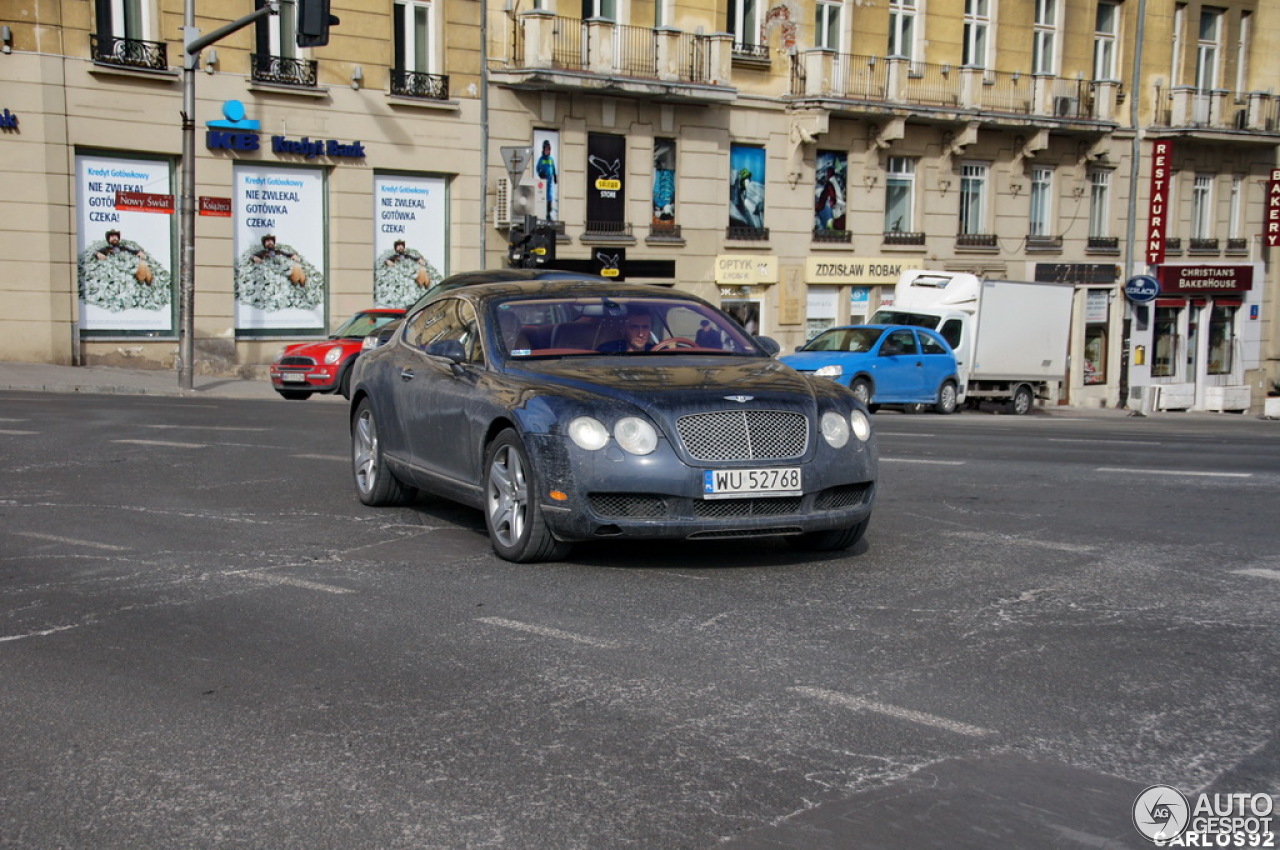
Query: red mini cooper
point(325, 367)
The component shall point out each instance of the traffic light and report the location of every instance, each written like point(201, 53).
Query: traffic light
point(542, 247)
point(314, 21)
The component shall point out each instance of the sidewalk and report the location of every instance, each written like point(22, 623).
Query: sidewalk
point(41, 377)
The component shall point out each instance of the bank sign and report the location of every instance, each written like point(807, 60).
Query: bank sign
point(234, 132)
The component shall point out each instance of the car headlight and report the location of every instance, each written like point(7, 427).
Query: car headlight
point(832, 371)
point(368, 343)
point(861, 425)
point(635, 435)
point(835, 430)
point(588, 433)
point(333, 355)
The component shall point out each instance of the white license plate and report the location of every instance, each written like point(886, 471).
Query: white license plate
point(720, 483)
point(293, 377)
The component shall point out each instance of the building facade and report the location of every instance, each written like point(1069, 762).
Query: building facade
point(786, 162)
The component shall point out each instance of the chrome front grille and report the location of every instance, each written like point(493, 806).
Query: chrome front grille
point(744, 435)
point(296, 360)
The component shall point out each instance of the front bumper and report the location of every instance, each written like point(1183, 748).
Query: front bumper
point(609, 493)
point(316, 379)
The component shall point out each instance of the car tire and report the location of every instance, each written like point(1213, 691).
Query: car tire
point(512, 513)
point(1022, 401)
point(376, 484)
point(830, 541)
point(946, 403)
point(861, 390)
point(295, 395)
point(344, 383)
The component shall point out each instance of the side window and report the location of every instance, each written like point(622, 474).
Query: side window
point(930, 345)
point(904, 341)
point(443, 320)
point(950, 331)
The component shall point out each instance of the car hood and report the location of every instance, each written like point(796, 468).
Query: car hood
point(809, 361)
point(319, 348)
point(668, 383)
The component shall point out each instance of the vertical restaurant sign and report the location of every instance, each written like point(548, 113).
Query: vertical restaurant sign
point(606, 181)
point(408, 237)
point(1157, 213)
point(123, 257)
point(280, 248)
point(1273, 208)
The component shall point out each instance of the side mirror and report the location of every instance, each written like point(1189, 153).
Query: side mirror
point(451, 349)
point(769, 344)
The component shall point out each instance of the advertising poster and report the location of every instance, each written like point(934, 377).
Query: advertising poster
point(664, 183)
point(829, 192)
point(546, 174)
point(746, 186)
point(124, 258)
point(280, 248)
point(408, 237)
point(606, 182)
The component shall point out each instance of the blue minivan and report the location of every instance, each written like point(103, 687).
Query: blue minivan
point(884, 364)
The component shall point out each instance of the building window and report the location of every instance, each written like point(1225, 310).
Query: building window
point(1202, 207)
point(129, 19)
point(415, 29)
point(899, 195)
point(1221, 339)
point(277, 34)
point(1041, 202)
point(1208, 49)
point(1044, 59)
point(1164, 342)
point(977, 28)
point(1243, 47)
point(827, 25)
point(1236, 213)
point(745, 24)
point(1106, 34)
point(902, 28)
point(604, 9)
point(1179, 37)
point(1095, 353)
point(1099, 204)
point(973, 198)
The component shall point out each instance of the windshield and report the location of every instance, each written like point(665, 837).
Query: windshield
point(845, 339)
point(363, 324)
point(616, 325)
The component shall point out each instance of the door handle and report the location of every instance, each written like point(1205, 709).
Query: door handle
point(406, 374)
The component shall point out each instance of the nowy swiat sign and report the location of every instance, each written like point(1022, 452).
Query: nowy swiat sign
point(235, 132)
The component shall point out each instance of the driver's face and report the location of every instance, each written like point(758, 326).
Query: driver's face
point(637, 333)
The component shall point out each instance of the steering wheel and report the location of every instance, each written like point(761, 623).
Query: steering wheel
point(674, 342)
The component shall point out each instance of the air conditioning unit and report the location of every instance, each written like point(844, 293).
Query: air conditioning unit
point(502, 203)
point(1066, 107)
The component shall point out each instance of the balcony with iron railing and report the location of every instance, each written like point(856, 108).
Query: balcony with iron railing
point(552, 52)
point(417, 84)
point(282, 70)
point(1189, 108)
point(902, 238)
point(129, 52)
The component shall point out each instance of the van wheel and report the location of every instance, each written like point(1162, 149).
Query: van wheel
point(1022, 401)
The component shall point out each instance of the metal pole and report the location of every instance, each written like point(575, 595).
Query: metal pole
point(1135, 161)
point(187, 267)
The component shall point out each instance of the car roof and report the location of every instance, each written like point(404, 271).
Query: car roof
point(571, 287)
point(476, 278)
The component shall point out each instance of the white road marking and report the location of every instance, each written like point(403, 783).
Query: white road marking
point(1117, 442)
point(859, 704)
point(342, 458)
point(1175, 472)
point(9, 433)
point(9, 419)
point(1259, 573)
point(207, 427)
point(71, 541)
point(880, 433)
point(169, 443)
point(44, 633)
point(296, 582)
point(547, 632)
point(922, 460)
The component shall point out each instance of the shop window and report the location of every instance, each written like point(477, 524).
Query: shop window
point(1165, 341)
point(1221, 339)
point(1095, 354)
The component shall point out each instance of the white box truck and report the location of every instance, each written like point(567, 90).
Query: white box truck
point(1010, 336)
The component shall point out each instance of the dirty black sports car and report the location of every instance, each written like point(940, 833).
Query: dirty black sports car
point(577, 410)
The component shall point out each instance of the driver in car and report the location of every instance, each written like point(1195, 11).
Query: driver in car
point(636, 334)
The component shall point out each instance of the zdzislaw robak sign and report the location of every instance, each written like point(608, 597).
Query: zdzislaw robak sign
point(856, 271)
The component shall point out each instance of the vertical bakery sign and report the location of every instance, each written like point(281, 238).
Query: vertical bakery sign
point(408, 237)
point(280, 248)
point(124, 252)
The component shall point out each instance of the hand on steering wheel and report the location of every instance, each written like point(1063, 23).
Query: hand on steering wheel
point(674, 342)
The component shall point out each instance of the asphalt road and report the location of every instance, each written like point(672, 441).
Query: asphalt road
point(206, 641)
